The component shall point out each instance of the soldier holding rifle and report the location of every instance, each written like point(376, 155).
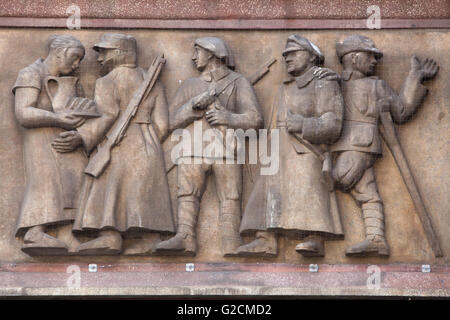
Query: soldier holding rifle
point(126, 195)
point(219, 98)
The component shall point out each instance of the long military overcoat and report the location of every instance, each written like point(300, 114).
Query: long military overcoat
point(132, 194)
point(295, 201)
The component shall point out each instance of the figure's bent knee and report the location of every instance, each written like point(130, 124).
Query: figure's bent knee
point(350, 167)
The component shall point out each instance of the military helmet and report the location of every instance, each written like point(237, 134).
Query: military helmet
point(356, 43)
point(295, 42)
point(218, 47)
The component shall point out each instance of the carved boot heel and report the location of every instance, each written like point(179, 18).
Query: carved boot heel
point(180, 244)
point(265, 245)
point(369, 248)
point(39, 243)
point(109, 243)
point(230, 246)
point(144, 246)
point(375, 243)
point(311, 247)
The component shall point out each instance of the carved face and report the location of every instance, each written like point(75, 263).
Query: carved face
point(364, 62)
point(106, 59)
point(201, 57)
point(69, 59)
point(297, 62)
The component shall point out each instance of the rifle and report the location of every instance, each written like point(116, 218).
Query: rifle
point(258, 75)
point(99, 161)
point(324, 157)
point(389, 135)
point(254, 78)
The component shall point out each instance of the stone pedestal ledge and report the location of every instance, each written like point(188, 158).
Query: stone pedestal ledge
point(223, 279)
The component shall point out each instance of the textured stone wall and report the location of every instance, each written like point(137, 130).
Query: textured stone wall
point(228, 9)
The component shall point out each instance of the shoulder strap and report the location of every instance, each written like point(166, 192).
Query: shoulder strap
point(220, 87)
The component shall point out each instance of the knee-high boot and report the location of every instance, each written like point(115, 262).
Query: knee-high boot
point(185, 239)
point(375, 243)
point(230, 218)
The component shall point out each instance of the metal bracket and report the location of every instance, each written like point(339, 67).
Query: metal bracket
point(92, 267)
point(190, 267)
point(426, 268)
point(313, 268)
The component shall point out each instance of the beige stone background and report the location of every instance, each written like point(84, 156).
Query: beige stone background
point(425, 139)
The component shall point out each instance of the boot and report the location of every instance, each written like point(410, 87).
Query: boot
point(38, 243)
point(265, 245)
point(184, 242)
point(108, 243)
point(230, 218)
point(144, 246)
point(65, 234)
point(375, 243)
point(312, 246)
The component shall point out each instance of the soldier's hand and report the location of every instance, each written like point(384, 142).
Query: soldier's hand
point(218, 115)
point(425, 69)
point(68, 121)
point(294, 122)
point(202, 101)
point(67, 141)
point(321, 73)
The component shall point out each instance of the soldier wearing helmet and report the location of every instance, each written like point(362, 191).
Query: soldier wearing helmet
point(218, 99)
point(365, 97)
point(295, 202)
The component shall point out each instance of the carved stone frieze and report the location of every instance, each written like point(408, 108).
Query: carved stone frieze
point(122, 160)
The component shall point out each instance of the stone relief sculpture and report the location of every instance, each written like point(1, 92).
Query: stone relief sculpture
point(98, 166)
point(367, 98)
point(298, 201)
point(126, 195)
point(219, 98)
point(50, 114)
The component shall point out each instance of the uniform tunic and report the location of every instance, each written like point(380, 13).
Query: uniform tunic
point(239, 98)
point(360, 144)
point(360, 131)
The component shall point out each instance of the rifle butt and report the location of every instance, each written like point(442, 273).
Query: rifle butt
point(98, 163)
point(327, 167)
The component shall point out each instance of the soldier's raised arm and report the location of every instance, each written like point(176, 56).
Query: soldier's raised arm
point(412, 93)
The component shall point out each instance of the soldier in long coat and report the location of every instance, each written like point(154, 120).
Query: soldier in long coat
point(131, 197)
point(53, 174)
point(366, 96)
point(296, 202)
